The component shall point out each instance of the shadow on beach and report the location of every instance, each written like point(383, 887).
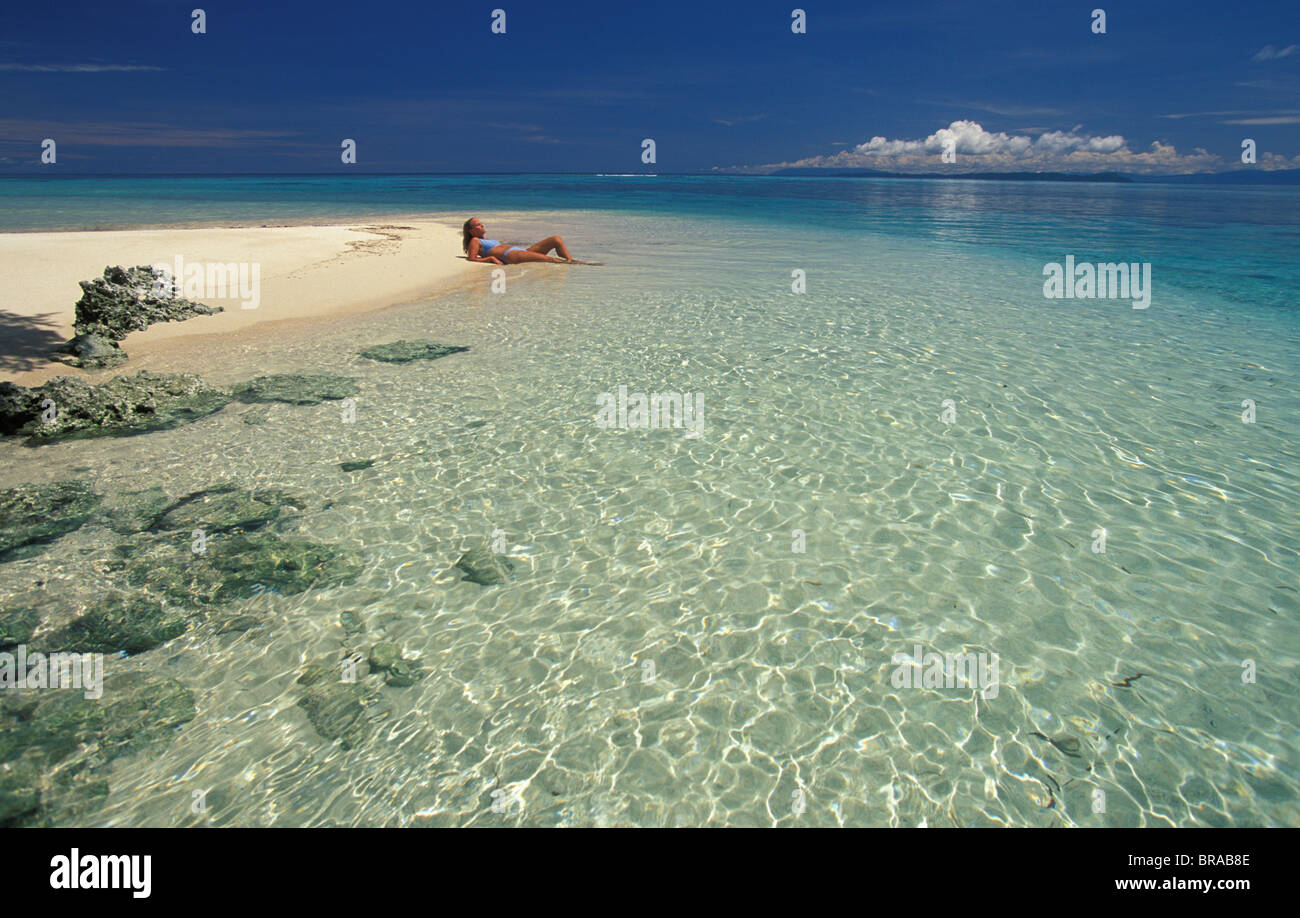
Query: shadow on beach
point(28, 342)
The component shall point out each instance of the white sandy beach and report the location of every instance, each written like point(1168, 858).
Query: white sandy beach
point(305, 272)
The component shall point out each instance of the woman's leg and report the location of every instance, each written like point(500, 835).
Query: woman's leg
point(519, 256)
point(549, 243)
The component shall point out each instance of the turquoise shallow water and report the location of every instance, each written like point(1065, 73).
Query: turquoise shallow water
point(1238, 242)
point(772, 699)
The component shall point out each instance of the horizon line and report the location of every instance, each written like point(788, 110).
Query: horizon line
point(836, 172)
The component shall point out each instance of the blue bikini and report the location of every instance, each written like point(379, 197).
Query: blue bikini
point(487, 245)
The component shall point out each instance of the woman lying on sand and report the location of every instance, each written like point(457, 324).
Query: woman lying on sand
point(481, 249)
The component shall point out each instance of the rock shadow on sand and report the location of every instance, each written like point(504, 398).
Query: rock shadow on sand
point(28, 342)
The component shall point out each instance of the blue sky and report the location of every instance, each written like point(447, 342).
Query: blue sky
point(576, 87)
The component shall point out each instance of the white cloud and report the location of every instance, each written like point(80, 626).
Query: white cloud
point(879, 146)
point(997, 108)
point(1269, 53)
point(969, 138)
point(740, 119)
point(136, 134)
point(75, 68)
point(1270, 161)
point(979, 150)
point(1271, 119)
